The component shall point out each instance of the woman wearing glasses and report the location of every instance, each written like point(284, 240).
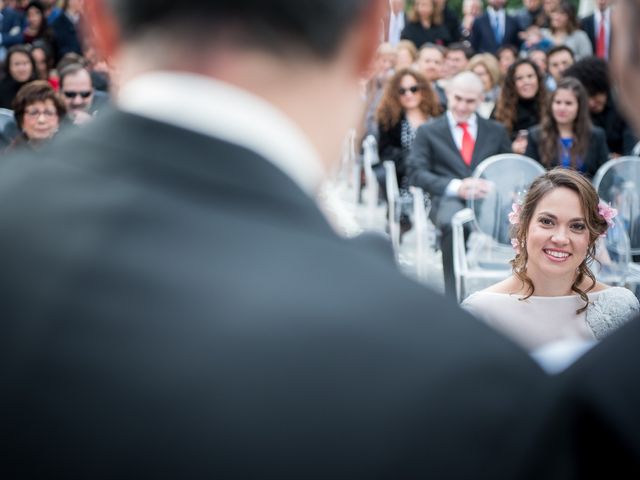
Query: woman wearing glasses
point(38, 111)
point(408, 101)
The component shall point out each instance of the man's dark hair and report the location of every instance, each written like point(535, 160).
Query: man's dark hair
point(460, 47)
point(281, 26)
point(560, 48)
point(593, 73)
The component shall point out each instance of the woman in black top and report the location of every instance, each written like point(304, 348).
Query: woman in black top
point(408, 101)
point(521, 101)
point(422, 28)
point(19, 70)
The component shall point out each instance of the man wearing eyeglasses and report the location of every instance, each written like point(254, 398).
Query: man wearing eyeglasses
point(77, 92)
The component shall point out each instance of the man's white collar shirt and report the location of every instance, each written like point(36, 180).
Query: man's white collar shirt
point(226, 112)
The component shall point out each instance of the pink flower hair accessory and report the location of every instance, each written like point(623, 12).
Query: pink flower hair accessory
point(608, 213)
point(514, 214)
point(516, 245)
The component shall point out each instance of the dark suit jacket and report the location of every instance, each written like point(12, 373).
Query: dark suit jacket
point(12, 26)
point(597, 153)
point(66, 37)
point(588, 25)
point(482, 37)
point(174, 306)
point(435, 160)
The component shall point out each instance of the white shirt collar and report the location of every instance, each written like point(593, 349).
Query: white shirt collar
point(472, 121)
point(223, 111)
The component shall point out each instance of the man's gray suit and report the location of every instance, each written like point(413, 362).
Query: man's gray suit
point(435, 160)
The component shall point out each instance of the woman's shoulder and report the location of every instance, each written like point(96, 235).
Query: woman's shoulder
point(611, 308)
point(597, 132)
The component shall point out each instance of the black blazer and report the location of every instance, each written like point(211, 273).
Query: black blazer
point(415, 32)
point(435, 160)
point(174, 306)
point(588, 25)
point(482, 37)
point(597, 153)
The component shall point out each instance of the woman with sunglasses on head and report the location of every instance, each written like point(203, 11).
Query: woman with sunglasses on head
point(407, 102)
point(552, 295)
point(566, 136)
point(38, 111)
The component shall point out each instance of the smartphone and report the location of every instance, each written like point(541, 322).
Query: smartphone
point(522, 134)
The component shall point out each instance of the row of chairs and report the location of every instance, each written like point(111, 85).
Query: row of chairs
point(482, 257)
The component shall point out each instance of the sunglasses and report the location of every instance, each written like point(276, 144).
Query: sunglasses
point(412, 89)
point(72, 94)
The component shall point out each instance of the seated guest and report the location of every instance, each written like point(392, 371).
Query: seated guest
point(19, 70)
point(36, 27)
point(559, 58)
point(566, 137)
point(564, 30)
point(431, 64)
point(486, 67)
point(38, 111)
point(444, 154)
point(43, 58)
point(422, 27)
point(494, 29)
point(78, 94)
point(406, 54)
point(506, 56)
point(408, 101)
point(456, 60)
point(521, 101)
point(593, 73)
point(552, 294)
point(66, 29)
point(381, 70)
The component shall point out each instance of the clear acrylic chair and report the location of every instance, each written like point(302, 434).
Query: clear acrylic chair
point(484, 259)
point(618, 184)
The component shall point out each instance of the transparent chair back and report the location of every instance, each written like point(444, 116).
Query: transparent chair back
point(618, 184)
point(510, 176)
point(393, 192)
point(413, 235)
point(613, 256)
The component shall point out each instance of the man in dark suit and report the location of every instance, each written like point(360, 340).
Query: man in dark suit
point(11, 25)
point(598, 28)
point(494, 29)
point(444, 154)
point(174, 304)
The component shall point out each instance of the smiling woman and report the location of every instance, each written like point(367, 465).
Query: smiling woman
point(38, 111)
point(552, 294)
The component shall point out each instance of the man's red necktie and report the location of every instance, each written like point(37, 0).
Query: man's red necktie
point(468, 143)
point(601, 44)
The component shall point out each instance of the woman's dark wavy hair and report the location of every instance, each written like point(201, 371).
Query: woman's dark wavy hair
point(596, 225)
point(507, 105)
point(390, 110)
point(315, 27)
point(550, 135)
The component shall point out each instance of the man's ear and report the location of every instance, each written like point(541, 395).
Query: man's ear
point(369, 30)
point(103, 27)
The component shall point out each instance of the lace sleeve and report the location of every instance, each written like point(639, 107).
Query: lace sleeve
point(611, 309)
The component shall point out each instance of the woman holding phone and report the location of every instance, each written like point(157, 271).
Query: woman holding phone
point(566, 137)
